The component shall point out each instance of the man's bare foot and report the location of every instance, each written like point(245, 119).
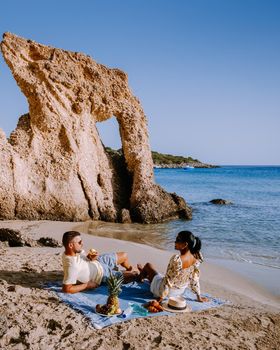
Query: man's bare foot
point(130, 276)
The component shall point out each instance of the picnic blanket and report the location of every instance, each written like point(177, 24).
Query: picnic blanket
point(132, 294)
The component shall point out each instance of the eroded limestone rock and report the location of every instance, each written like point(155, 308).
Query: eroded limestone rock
point(54, 165)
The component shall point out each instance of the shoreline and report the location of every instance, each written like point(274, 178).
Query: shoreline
point(238, 277)
point(264, 277)
point(33, 317)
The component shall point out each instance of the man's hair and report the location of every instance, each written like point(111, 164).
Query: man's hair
point(68, 236)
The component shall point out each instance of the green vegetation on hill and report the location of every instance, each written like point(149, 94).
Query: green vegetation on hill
point(114, 151)
point(161, 158)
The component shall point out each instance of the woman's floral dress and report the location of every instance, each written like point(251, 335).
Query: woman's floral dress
point(178, 278)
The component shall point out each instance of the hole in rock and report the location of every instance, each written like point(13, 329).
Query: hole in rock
point(12, 100)
point(122, 181)
point(109, 133)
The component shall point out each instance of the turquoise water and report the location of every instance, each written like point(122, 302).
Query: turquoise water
point(248, 230)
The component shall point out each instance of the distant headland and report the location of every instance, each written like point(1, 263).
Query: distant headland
point(162, 160)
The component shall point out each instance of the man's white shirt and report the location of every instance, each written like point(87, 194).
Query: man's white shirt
point(80, 268)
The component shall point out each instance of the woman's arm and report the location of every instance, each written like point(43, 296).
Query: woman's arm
point(172, 271)
point(195, 285)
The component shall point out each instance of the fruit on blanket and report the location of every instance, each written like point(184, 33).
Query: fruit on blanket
point(152, 309)
point(153, 306)
point(154, 303)
point(114, 283)
point(102, 309)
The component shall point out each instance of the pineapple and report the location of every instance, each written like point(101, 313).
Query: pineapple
point(114, 288)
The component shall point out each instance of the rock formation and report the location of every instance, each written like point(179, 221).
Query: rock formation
point(15, 238)
point(54, 165)
point(220, 201)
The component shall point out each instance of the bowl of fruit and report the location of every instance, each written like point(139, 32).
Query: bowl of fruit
point(112, 306)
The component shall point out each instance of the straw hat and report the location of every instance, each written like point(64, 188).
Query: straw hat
point(176, 304)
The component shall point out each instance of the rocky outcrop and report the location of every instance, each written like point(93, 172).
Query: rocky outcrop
point(220, 201)
point(48, 242)
point(54, 165)
point(16, 238)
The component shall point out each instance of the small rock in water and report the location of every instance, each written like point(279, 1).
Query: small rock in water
point(220, 201)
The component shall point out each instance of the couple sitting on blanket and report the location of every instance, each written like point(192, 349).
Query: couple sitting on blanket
point(91, 270)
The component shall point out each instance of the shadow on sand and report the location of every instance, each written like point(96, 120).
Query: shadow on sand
point(31, 279)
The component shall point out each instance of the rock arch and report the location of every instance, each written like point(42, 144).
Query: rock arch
point(54, 165)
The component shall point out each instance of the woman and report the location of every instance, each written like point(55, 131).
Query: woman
point(182, 270)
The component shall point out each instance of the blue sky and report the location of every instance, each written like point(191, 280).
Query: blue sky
point(206, 71)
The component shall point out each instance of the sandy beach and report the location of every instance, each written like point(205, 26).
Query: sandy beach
point(34, 318)
point(131, 121)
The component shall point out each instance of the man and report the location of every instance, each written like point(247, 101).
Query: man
point(89, 271)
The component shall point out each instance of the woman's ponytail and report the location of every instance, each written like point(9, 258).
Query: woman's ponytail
point(196, 245)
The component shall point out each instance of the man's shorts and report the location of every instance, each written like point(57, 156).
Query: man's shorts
point(108, 262)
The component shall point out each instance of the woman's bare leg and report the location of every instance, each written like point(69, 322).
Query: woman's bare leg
point(122, 259)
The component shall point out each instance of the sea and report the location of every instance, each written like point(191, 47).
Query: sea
point(247, 230)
